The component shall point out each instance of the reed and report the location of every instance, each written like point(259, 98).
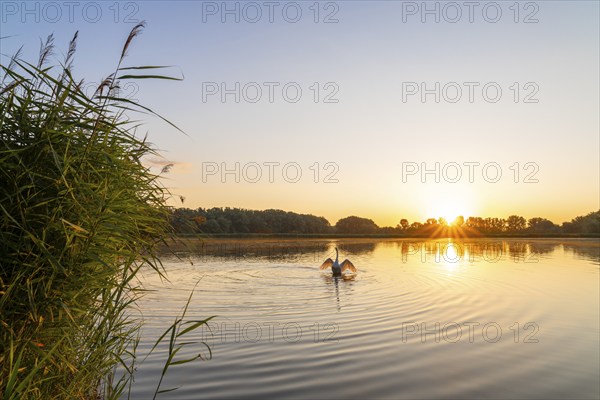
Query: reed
point(80, 216)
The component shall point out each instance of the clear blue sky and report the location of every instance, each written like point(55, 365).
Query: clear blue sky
point(368, 56)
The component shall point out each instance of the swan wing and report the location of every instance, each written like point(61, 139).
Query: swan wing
point(347, 264)
point(327, 264)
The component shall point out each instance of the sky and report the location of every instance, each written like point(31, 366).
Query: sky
point(380, 109)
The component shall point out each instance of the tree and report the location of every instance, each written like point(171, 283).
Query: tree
point(589, 224)
point(541, 225)
point(415, 226)
point(404, 225)
point(475, 223)
point(516, 223)
point(494, 225)
point(355, 224)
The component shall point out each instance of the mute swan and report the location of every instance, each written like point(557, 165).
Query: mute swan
point(336, 267)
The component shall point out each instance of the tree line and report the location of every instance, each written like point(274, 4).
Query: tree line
point(242, 221)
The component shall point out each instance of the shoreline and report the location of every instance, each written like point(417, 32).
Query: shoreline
point(378, 236)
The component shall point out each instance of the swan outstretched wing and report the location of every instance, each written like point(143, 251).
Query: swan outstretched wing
point(327, 264)
point(347, 264)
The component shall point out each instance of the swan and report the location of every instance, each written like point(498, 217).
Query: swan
point(336, 267)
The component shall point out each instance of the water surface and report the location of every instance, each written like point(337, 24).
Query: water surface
point(421, 319)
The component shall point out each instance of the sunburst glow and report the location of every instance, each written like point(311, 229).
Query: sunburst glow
point(450, 206)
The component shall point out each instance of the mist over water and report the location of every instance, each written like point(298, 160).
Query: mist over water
point(421, 319)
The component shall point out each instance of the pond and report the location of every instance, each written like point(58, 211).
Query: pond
point(445, 318)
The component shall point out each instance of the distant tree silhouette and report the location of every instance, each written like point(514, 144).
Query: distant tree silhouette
point(416, 226)
point(542, 225)
point(475, 223)
point(238, 221)
point(497, 225)
point(588, 224)
point(355, 224)
point(516, 223)
point(404, 225)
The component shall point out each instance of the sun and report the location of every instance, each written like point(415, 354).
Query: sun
point(449, 206)
point(449, 211)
